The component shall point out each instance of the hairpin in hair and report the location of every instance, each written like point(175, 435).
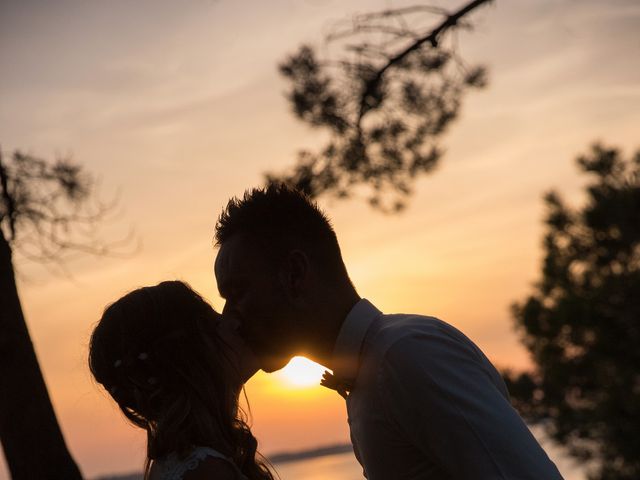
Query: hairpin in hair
point(117, 363)
point(143, 356)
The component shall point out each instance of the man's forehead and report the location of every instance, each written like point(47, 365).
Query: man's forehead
point(235, 257)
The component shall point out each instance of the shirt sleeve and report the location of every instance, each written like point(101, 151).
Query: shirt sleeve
point(446, 398)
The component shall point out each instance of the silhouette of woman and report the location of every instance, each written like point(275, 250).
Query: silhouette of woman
point(176, 371)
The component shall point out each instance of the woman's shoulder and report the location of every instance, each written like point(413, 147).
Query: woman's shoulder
point(200, 463)
point(213, 467)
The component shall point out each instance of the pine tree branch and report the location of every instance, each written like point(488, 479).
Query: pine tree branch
point(8, 200)
point(432, 38)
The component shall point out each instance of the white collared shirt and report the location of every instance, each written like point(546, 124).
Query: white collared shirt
point(427, 404)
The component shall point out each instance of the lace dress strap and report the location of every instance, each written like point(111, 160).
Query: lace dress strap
point(175, 469)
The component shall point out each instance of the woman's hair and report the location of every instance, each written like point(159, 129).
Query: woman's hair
point(157, 352)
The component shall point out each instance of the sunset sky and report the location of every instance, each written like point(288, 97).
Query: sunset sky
point(178, 105)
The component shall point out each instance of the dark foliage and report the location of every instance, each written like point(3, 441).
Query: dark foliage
point(385, 102)
point(582, 323)
point(49, 210)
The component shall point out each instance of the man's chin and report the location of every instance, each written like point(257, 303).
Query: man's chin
point(273, 364)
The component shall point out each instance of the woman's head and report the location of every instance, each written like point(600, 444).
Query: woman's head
point(160, 354)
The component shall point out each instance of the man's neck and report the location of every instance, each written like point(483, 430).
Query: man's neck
point(331, 319)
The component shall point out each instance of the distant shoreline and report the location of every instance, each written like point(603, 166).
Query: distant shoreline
point(276, 458)
point(286, 457)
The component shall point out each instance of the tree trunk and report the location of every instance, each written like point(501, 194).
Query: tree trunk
point(31, 438)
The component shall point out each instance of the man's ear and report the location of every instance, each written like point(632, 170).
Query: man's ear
point(294, 274)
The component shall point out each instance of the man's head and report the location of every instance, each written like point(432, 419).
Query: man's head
point(279, 264)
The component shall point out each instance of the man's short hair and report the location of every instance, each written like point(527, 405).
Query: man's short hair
point(279, 219)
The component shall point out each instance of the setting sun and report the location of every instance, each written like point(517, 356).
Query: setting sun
point(302, 372)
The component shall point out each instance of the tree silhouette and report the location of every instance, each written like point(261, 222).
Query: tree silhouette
point(385, 102)
point(582, 323)
point(48, 210)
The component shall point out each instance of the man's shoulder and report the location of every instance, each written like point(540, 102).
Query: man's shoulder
point(399, 322)
point(410, 334)
point(402, 327)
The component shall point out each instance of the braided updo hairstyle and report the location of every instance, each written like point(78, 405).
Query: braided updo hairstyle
point(158, 354)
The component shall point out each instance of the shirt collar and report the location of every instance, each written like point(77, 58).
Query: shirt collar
point(346, 352)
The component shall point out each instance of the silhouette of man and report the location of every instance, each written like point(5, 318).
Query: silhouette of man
point(423, 401)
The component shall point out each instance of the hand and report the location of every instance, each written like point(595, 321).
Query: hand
point(329, 380)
